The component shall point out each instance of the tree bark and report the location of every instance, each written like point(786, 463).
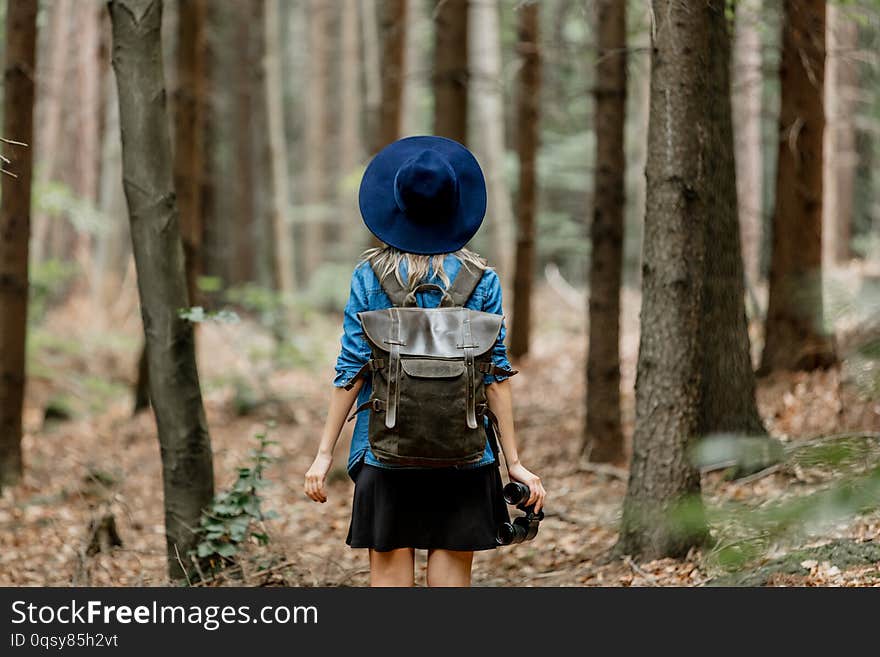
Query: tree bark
point(372, 71)
point(795, 338)
point(244, 232)
point(190, 111)
point(278, 173)
point(188, 478)
point(51, 106)
point(15, 222)
point(315, 138)
point(528, 111)
point(662, 511)
point(841, 158)
point(747, 79)
point(727, 400)
point(450, 78)
point(393, 29)
point(489, 144)
point(349, 89)
point(603, 435)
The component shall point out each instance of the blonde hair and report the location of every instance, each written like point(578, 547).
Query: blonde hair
point(387, 259)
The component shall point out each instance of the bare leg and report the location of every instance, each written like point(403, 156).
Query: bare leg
point(449, 567)
point(393, 568)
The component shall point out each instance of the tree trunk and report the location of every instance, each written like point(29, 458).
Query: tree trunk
point(727, 402)
point(450, 76)
point(372, 71)
point(315, 138)
point(52, 106)
point(87, 156)
point(349, 89)
point(15, 226)
point(747, 79)
point(278, 174)
point(489, 145)
point(841, 159)
point(528, 110)
point(603, 435)
point(394, 20)
point(244, 231)
point(662, 512)
point(795, 338)
point(190, 111)
point(215, 228)
point(187, 468)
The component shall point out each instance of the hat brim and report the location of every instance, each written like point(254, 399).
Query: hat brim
point(393, 226)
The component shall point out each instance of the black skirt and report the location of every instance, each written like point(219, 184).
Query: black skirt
point(442, 508)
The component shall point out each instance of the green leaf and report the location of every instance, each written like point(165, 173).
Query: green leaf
point(226, 550)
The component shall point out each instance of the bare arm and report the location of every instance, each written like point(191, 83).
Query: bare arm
point(501, 403)
point(341, 401)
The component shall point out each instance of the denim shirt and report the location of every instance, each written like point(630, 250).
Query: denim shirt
point(367, 294)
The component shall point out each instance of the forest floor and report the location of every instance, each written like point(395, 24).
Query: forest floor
point(102, 460)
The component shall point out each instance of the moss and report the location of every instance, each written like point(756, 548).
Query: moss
point(840, 553)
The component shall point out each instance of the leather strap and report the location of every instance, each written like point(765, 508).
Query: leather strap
point(375, 404)
point(492, 368)
point(483, 410)
point(470, 372)
point(445, 300)
point(372, 365)
point(392, 287)
point(393, 369)
point(466, 281)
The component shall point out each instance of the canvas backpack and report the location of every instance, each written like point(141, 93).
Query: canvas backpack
point(428, 404)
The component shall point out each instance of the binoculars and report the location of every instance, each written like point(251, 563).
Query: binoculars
point(524, 528)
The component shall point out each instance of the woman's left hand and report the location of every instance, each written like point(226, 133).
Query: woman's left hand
point(518, 472)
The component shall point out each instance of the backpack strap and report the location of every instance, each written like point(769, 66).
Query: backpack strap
point(393, 370)
point(392, 287)
point(466, 281)
point(467, 346)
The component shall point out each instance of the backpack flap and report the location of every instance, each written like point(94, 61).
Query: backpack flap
point(432, 332)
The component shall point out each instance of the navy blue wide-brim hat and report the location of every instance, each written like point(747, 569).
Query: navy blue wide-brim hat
point(424, 195)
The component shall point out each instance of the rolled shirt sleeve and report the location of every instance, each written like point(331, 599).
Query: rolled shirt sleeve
point(354, 351)
point(493, 304)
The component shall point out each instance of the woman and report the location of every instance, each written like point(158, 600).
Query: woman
point(424, 198)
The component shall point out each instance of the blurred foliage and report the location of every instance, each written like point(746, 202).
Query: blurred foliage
point(848, 463)
point(58, 200)
point(49, 282)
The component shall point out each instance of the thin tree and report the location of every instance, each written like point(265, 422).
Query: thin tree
point(663, 483)
point(51, 105)
point(795, 338)
point(727, 399)
point(527, 118)
point(278, 173)
point(15, 226)
point(489, 143)
point(840, 158)
point(188, 477)
point(244, 230)
point(603, 435)
point(393, 30)
point(315, 137)
point(747, 83)
point(190, 112)
point(450, 77)
point(349, 89)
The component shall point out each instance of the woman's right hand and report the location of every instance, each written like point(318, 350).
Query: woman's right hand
point(316, 476)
